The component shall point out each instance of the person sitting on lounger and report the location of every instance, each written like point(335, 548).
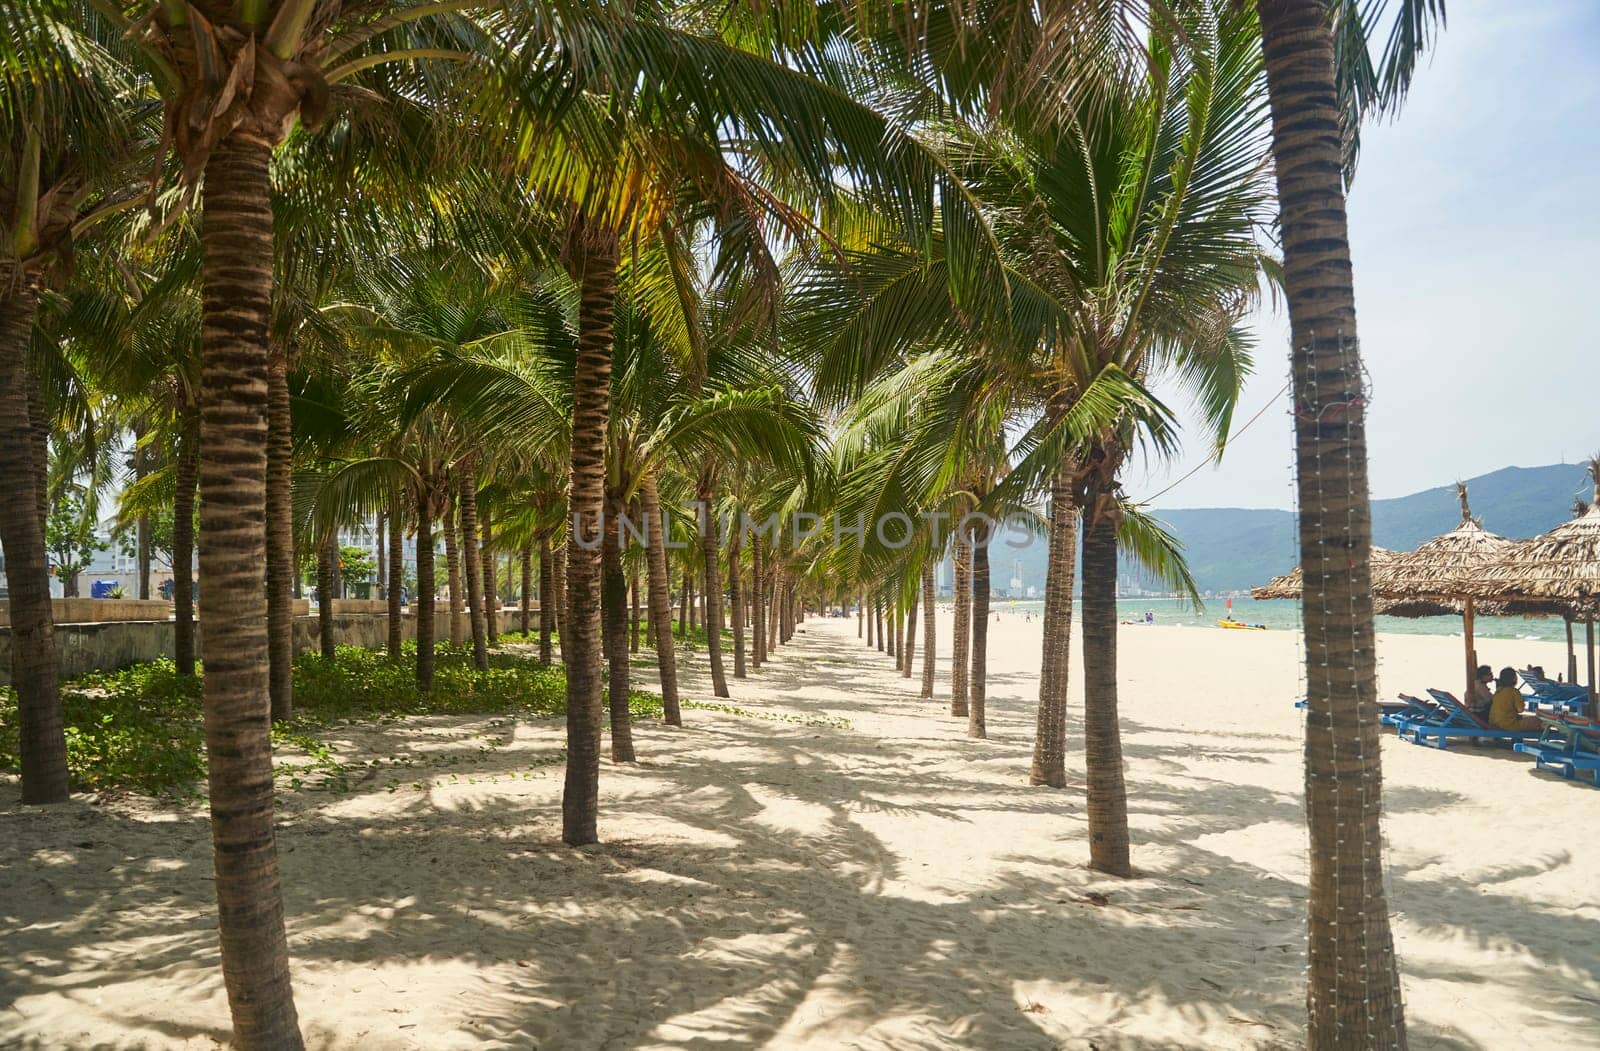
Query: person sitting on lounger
point(1505, 710)
point(1481, 697)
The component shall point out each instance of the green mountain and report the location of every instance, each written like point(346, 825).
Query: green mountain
point(1232, 548)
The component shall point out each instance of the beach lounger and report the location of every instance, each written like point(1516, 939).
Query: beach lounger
point(1568, 746)
point(1389, 711)
point(1452, 720)
point(1406, 708)
point(1548, 695)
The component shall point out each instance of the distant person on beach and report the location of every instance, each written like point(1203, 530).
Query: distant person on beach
point(1481, 697)
point(1505, 711)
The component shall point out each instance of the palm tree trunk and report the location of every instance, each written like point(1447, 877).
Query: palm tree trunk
point(929, 636)
point(547, 598)
point(909, 634)
point(381, 554)
point(1050, 738)
point(635, 610)
point(758, 620)
point(736, 601)
point(655, 539)
point(452, 566)
point(861, 614)
point(614, 612)
point(711, 552)
point(775, 613)
point(327, 553)
point(280, 536)
point(558, 560)
point(594, 264)
point(39, 441)
point(961, 631)
point(491, 583)
point(471, 566)
point(1102, 737)
point(236, 237)
point(694, 605)
point(977, 681)
point(425, 586)
point(891, 612)
point(395, 595)
point(183, 626)
point(869, 608)
point(43, 743)
point(526, 597)
point(142, 526)
point(1353, 992)
point(877, 616)
point(683, 607)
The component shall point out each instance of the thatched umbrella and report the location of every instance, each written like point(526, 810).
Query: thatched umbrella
point(1563, 565)
point(1447, 568)
point(1288, 585)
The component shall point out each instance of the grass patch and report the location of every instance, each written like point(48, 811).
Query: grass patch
point(141, 728)
point(695, 638)
point(836, 722)
point(136, 728)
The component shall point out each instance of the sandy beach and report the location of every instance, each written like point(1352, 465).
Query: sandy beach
point(796, 881)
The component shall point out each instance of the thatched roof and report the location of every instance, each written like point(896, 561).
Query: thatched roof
point(1443, 570)
point(1288, 585)
point(1413, 608)
point(1450, 566)
point(1563, 564)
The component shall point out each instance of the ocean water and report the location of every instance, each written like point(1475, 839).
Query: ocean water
point(1285, 616)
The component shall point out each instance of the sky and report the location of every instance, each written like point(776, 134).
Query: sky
point(1475, 237)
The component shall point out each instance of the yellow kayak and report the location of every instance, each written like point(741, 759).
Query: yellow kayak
point(1238, 625)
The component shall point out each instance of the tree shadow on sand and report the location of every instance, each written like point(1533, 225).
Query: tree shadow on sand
point(756, 895)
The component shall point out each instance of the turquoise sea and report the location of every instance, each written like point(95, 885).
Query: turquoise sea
point(1286, 616)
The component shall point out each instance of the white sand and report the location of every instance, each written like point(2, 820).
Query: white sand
point(889, 885)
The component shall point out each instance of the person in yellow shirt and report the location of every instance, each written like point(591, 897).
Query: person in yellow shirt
point(1505, 710)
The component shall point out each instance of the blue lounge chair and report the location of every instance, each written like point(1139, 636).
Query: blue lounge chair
point(1548, 695)
point(1568, 746)
point(1452, 720)
point(1389, 711)
point(1407, 708)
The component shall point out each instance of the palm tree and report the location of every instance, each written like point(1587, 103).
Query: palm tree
point(71, 123)
point(1318, 87)
point(652, 159)
point(1130, 211)
point(1321, 82)
point(235, 80)
point(471, 562)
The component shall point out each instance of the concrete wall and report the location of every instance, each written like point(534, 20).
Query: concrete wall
point(97, 610)
point(110, 645)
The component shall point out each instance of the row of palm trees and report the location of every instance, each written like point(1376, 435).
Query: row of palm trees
point(519, 269)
